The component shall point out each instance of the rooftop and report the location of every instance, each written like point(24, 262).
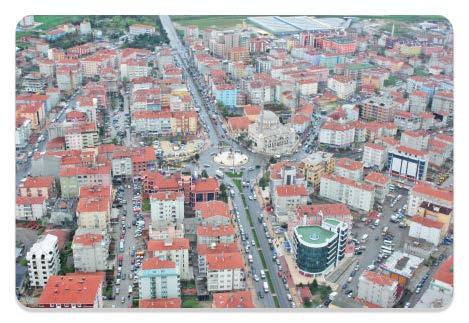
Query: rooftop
point(314, 234)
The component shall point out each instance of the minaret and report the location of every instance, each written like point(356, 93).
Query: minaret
point(392, 31)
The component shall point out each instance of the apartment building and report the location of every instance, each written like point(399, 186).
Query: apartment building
point(30, 208)
point(342, 86)
point(43, 260)
point(166, 207)
point(427, 192)
point(90, 249)
point(83, 135)
point(356, 195)
point(381, 183)
point(225, 272)
point(335, 134)
point(74, 290)
point(374, 155)
point(378, 289)
point(286, 199)
point(37, 186)
point(158, 279)
point(346, 167)
point(175, 250)
point(221, 234)
point(315, 165)
point(216, 249)
point(213, 213)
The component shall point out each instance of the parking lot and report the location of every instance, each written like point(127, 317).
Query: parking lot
point(129, 243)
point(368, 250)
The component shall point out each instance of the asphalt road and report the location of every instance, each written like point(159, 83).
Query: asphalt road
point(215, 132)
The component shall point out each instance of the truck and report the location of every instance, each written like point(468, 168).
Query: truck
point(266, 287)
point(250, 258)
point(364, 237)
point(130, 289)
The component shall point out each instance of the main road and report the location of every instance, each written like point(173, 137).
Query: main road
point(216, 134)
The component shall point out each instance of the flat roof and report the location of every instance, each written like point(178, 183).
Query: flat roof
point(313, 234)
point(331, 221)
point(296, 24)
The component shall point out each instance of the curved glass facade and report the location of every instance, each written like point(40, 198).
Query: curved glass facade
point(316, 260)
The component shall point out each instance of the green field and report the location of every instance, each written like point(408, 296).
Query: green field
point(51, 21)
point(208, 21)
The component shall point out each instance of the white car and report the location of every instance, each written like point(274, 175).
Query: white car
point(256, 278)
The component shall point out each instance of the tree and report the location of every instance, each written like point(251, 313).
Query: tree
point(204, 174)
point(314, 286)
point(197, 156)
point(223, 194)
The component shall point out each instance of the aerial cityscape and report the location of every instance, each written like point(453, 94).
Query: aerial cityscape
point(234, 162)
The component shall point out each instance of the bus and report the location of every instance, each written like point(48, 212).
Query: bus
point(266, 287)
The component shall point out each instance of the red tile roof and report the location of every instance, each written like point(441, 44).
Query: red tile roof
point(291, 190)
point(79, 289)
point(223, 261)
point(374, 146)
point(431, 191)
point(239, 122)
point(427, 222)
point(378, 178)
point(335, 126)
point(349, 182)
point(349, 164)
point(203, 249)
point(160, 303)
point(445, 272)
point(157, 263)
point(25, 200)
point(212, 208)
point(411, 151)
point(93, 204)
point(87, 239)
point(166, 195)
point(209, 231)
point(205, 185)
point(38, 182)
point(252, 110)
point(161, 245)
point(378, 278)
point(326, 209)
point(239, 299)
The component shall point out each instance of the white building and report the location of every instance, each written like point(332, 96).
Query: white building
point(22, 132)
point(426, 229)
point(415, 139)
point(79, 136)
point(158, 279)
point(349, 168)
point(336, 134)
point(213, 213)
point(30, 208)
point(215, 249)
point(378, 289)
point(271, 137)
point(166, 207)
point(408, 163)
point(352, 193)
point(425, 191)
point(381, 183)
point(85, 27)
point(374, 155)
point(43, 260)
point(286, 199)
point(122, 166)
point(141, 29)
point(91, 250)
point(342, 86)
point(225, 272)
point(175, 250)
